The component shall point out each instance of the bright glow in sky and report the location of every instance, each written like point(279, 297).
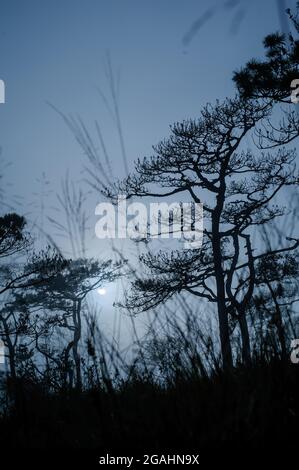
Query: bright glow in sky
point(102, 291)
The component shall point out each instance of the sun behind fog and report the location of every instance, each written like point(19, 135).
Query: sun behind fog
point(101, 291)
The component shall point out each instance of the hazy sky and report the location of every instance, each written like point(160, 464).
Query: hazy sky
point(55, 51)
point(172, 57)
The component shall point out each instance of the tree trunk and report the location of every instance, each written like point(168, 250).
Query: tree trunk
point(278, 323)
point(12, 362)
point(11, 351)
point(226, 351)
point(67, 368)
point(221, 307)
point(281, 336)
point(246, 348)
point(77, 336)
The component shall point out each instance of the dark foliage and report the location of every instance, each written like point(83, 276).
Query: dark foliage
point(254, 406)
